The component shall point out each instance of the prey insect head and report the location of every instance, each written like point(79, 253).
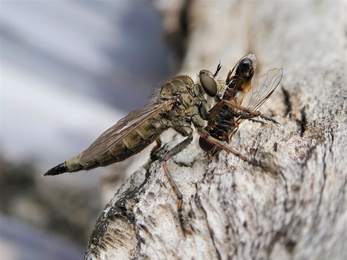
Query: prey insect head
point(245, 68)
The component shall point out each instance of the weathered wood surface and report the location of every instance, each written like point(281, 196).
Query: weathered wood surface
point(234, 210)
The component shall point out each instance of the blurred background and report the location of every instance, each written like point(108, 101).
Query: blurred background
point(69, 71)
point(72, 69)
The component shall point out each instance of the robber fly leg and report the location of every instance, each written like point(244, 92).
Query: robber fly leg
point(155, 149)
point(207, 136)
point(157, 153)
point(175, 150)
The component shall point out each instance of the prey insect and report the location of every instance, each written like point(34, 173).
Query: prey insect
point(179, 104)
point(233, 108)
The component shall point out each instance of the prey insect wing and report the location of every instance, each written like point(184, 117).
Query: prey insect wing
point(266, 85)
point(122, 129)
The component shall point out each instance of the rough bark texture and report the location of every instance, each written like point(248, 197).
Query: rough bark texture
point(235, 210)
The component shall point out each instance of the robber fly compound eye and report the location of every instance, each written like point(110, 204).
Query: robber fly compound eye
point(208, 82)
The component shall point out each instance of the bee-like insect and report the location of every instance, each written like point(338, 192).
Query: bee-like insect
point(233, 108)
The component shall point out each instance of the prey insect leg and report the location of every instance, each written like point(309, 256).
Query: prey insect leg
point(175, 150)
point(257, 121)
point(248, 113)
point(203, 133)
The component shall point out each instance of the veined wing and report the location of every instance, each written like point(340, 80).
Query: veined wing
point(122, 128)
point(264, 88)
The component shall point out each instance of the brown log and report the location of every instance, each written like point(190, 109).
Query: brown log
point(234, 210)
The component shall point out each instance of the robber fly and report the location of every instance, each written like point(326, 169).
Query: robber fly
point(232, 109)
point(179, 104)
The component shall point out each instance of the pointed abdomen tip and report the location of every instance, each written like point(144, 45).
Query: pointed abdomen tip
point(59, 169)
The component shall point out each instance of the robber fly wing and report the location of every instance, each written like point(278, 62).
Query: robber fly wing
point(264, 88)
point(122, 128)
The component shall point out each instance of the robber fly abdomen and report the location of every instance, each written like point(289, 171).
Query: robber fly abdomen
point(133, 143)
point(179, 104)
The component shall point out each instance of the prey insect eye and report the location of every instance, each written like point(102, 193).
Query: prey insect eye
point(208, 82)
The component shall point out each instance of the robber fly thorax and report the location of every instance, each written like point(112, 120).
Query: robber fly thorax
point(179, 104)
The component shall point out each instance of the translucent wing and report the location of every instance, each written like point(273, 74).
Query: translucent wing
point(122, 128)
point(264, 88)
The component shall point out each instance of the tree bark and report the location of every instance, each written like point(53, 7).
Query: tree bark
point(234, 210)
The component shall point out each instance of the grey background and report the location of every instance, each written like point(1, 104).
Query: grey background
point(69, 70)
